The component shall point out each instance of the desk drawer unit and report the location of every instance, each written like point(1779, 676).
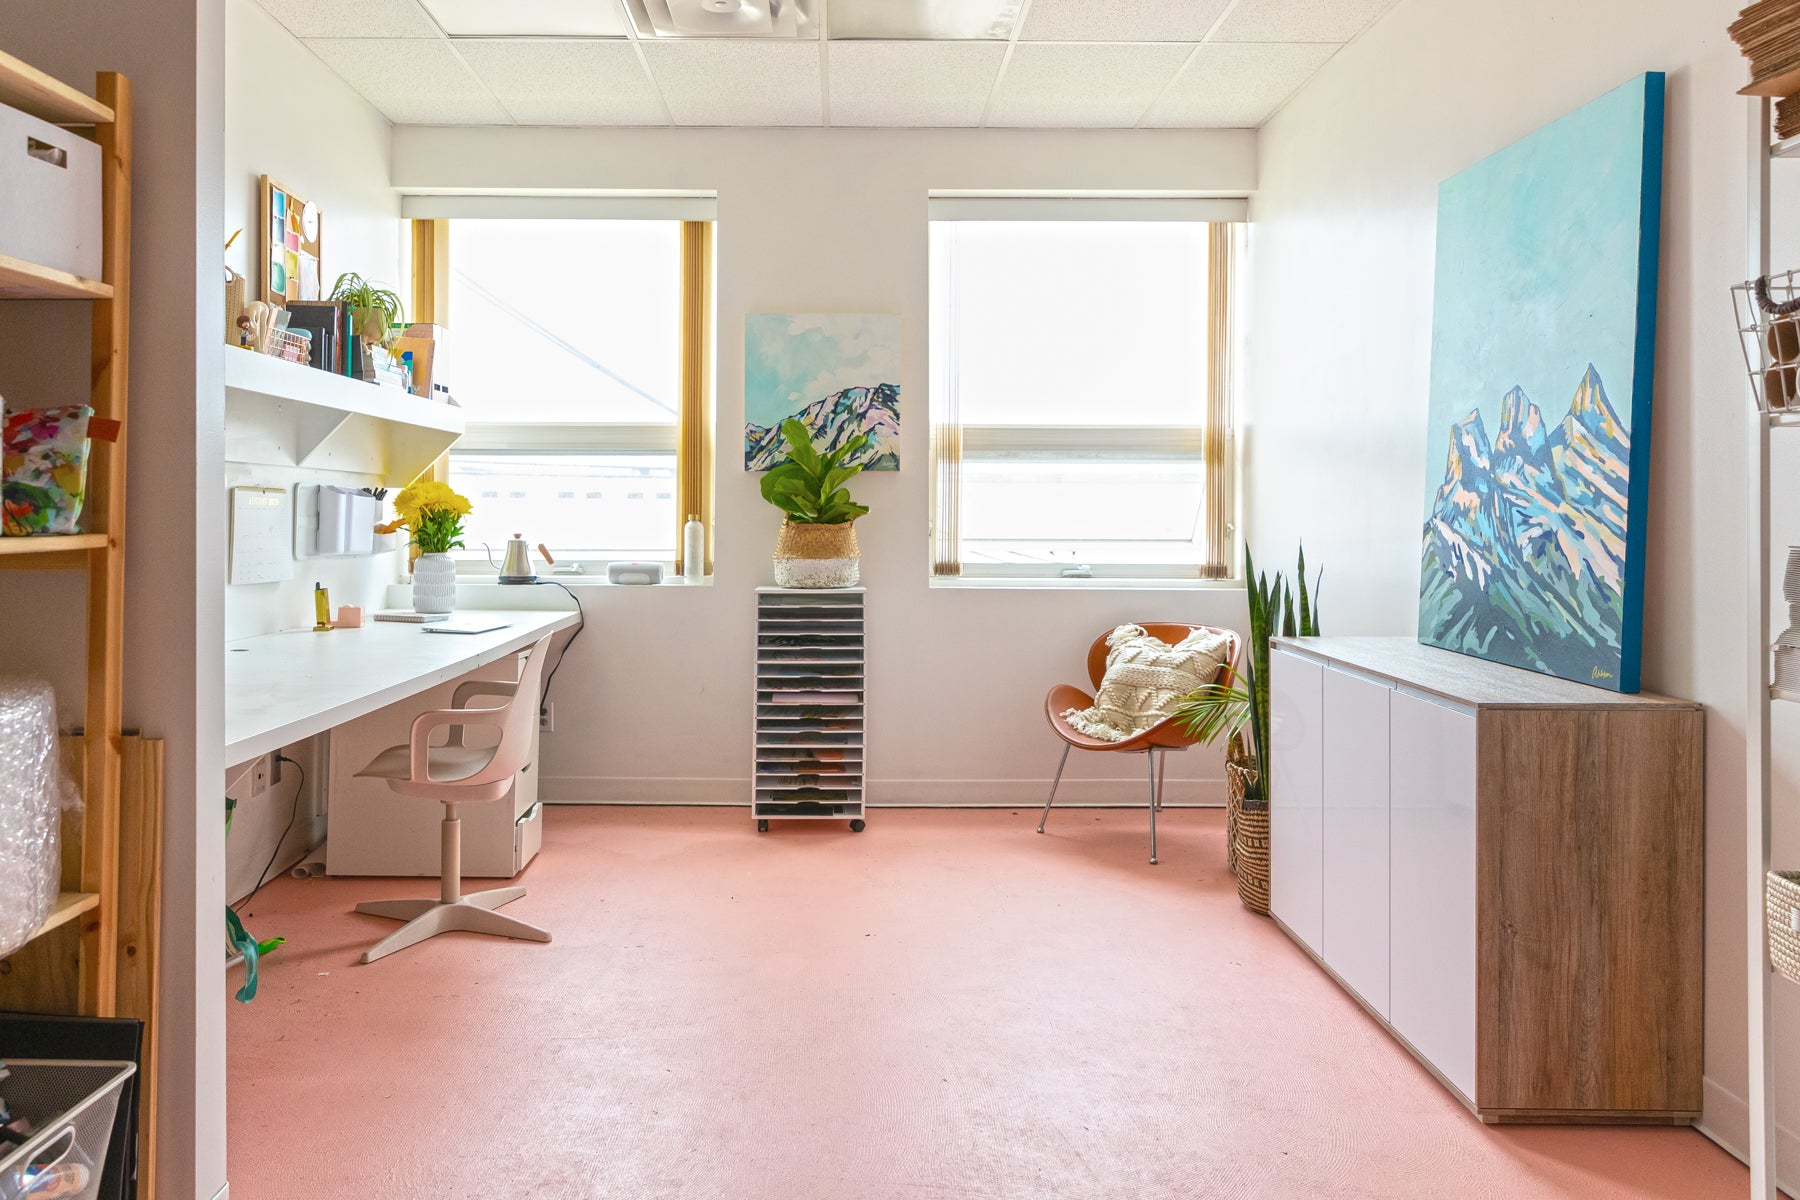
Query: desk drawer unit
point(810, 753)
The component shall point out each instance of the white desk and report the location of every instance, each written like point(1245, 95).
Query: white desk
point(283, 687)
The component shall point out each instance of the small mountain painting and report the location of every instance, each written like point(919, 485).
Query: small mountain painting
point(839, 373)
point(1532, 551)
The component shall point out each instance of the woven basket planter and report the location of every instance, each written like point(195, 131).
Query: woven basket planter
point(1782, 900)
point(1238, 773)
point(817, 556)
point(1248, 829)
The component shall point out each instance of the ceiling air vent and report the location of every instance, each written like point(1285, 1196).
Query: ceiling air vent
point(723, 18)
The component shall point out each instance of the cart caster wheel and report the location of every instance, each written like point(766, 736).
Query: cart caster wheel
point(856, 826)
point(762, 827)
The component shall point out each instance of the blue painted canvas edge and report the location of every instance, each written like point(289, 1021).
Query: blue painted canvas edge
point(1631, 640)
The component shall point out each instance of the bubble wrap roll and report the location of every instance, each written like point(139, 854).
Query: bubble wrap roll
point(33, 789)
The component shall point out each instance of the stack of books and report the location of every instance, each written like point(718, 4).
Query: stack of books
point(1768, 32)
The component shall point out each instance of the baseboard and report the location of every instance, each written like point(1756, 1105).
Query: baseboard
point(1727, 1122)
point(888, 793)
point(224, 1192)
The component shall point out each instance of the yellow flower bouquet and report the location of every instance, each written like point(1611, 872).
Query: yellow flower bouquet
point(433, 513)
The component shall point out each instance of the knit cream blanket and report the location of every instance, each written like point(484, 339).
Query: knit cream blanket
point(1145, 677)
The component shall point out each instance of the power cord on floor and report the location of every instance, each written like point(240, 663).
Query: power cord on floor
point(293, 815)
point(581, 623)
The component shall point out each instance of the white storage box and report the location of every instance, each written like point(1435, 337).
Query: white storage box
point(49, 195)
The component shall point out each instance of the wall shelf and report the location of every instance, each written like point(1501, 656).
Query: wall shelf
point(50, 543)
point(285, 414)
point(68, 906)
point(47, 98)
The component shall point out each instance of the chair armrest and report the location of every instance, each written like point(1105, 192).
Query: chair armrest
point(477, 687)
point(482, 687)
point(439, 718)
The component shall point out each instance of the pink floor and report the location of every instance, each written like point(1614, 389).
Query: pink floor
point(945, 1006)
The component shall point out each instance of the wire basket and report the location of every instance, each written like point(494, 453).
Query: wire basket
point(1768, 322)
point(71, 1106)
point(291, 345)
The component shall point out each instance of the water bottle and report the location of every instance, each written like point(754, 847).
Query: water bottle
point(693, 550)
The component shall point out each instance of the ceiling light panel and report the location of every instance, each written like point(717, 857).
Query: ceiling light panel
point(786, 19)
point(924, 20)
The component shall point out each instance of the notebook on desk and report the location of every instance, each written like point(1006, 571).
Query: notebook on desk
point(407, 616)
point(468, 625)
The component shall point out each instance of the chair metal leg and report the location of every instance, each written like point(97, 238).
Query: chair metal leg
point(1162, 775)
point(1155, 791)
point(1060, 764)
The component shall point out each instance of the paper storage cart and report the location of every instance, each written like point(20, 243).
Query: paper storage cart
point(71, 1106)
point(810, 756)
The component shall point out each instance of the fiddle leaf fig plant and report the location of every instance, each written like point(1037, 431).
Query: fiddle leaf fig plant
point(809, 486)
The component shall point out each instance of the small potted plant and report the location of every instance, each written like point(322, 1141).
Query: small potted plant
point(433, 513)
point(1230, 709)
point(373, 308)
point(817, 545)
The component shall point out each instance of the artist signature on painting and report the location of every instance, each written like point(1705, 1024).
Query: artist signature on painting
point(1601, 673)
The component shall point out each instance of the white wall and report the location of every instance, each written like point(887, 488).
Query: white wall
point(174, 58)
point(654, 704)
point(315, 135)
point(1340, 356)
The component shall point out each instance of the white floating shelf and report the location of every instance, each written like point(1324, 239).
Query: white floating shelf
point(287, 414)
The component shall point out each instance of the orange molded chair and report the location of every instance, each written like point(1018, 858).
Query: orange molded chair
point(1153, 743)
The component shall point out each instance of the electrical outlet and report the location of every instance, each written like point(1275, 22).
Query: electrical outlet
point(259, 776)
point(547, 718)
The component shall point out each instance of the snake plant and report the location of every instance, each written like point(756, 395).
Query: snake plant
point(1218, 710)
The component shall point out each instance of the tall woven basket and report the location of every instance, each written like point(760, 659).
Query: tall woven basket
point(1247, 828)
point(1783, 903)
point(817, 556)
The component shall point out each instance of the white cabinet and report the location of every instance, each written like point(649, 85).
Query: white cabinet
point(1432, 830)
point(1354, 835)
point(1504, 868)
point(1296, 795)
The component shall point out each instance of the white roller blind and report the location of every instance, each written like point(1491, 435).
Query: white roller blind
point(1088, 208)
point(611, 207)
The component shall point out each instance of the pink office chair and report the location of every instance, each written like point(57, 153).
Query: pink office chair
point(456, 773)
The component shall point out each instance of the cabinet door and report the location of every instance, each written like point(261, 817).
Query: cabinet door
point(1294, 815)
point(1433, 881)
point(1355, 835)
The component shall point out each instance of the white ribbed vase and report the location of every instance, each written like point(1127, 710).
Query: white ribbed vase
point(434, 584)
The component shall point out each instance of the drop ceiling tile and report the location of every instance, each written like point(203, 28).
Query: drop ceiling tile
point(741, 82)
point(1121, 20)
point(352, 18)
point(1299, 20)
point(915, 84)
point(528, 18)
point(544, 81)
point(1066, 85)
point(411, 82)
point(1237, 84)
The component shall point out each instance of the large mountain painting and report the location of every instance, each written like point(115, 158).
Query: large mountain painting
point(838, 373)
point(1533, 543)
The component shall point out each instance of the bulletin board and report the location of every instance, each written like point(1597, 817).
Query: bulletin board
point(290, 245)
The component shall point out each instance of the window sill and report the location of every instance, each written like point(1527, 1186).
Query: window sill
point(487, 583)
point(1103, 584)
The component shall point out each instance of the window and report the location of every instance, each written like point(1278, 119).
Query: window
point(578, 350)
point(1080, 406)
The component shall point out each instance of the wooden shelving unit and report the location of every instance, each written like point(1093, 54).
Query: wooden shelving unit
point(95, 954)
point(811, 745)
point(1760, 798)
